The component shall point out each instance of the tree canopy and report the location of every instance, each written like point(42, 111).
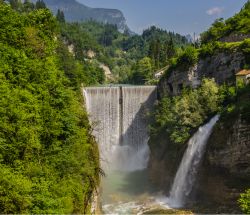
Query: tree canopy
point(48, 158)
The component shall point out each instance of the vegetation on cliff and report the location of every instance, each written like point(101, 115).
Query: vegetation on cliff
point(177, 118)
point(237, 103)
point(229, 35)
point(212, 42)
point(238, 24)
point(244, 202)
point(181, 115)
point(48, 159)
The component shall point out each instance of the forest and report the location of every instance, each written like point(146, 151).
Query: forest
point(49, 160)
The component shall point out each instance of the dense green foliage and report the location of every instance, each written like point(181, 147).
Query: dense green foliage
point(177, 118)
point(236, 102)
point(185, 59)
point(121, 52)
point(48, 159)
point(238, 24)
point(244, 202)
point(211, 49)
point(180, 116)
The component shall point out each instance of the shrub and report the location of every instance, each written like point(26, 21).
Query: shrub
point(180, 115)
point(244, 202)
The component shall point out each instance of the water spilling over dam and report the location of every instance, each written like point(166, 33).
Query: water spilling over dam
point(118, 117)
point(120, 124)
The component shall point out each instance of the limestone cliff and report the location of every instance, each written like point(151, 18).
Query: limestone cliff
point(225, 171)
point(164, 161)
point(221, 66)
point(229, 148)
point(75, 11)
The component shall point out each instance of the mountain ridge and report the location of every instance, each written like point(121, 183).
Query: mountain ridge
point(75, 11)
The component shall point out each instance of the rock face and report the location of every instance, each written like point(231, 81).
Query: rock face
point(222, 67)
point(179, 79)
point(225, 172)
point(235, 37)
point(164, 161)
point(75, 11)
point(229, 148)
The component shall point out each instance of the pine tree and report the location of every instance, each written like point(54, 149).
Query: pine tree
point(170, 49)
point(40, 4)
point(14, 4)
point(28, 6)
point(60, 16)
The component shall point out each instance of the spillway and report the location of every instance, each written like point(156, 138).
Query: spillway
point(119, 118)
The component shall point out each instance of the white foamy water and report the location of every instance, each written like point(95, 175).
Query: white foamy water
point(118, 116)
point(186, 174)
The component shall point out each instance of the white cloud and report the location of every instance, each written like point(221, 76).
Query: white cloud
point(215, 11)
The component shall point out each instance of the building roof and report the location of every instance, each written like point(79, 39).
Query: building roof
point(243, 72)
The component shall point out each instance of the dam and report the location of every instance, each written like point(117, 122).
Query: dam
point(120, 123)
point(119, 116)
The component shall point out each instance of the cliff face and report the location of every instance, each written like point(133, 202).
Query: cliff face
point(221, 66)
point(225, 171)
point(164, 161)
point(75, 11)
point(229, 148)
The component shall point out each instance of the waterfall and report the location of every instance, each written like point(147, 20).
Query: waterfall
point(185, 176)
point(117, 115)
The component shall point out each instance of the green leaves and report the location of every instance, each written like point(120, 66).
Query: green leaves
point(48, 159)
point(15, 191)
point(238, 24)
point(181, 115)
point(244, 202)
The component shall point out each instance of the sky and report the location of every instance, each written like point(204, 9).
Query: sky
point(181, 16)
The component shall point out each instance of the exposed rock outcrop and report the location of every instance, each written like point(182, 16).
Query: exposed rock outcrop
point(164, 161)
point(221, 66)
point(75, 11)
point(235, 37)
point(229, 148)
point(225, 172)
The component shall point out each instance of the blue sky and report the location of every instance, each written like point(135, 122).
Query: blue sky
point(181, 16)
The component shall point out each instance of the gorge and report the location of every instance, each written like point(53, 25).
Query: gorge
point(70, 131)
point(118, 115)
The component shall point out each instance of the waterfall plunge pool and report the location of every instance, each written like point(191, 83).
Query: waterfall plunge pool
point(127, 192)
